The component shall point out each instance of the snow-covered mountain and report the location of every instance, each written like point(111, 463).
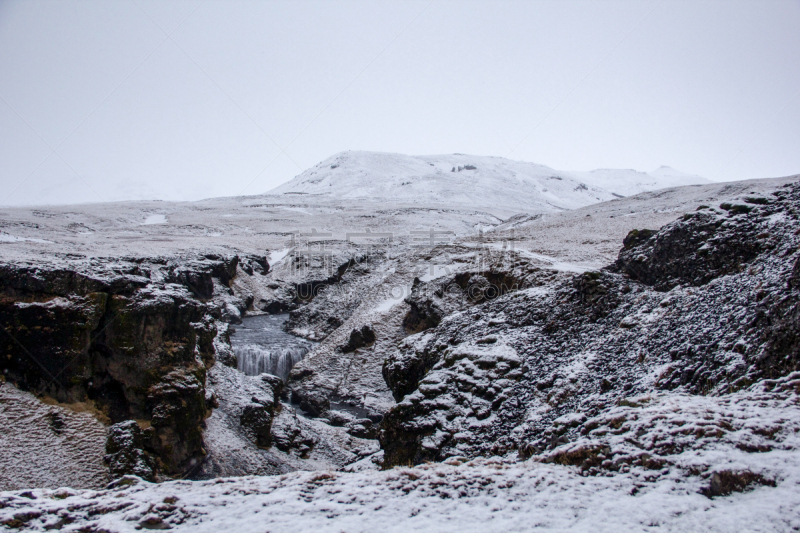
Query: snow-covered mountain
point(628, 182)
point(468, 179)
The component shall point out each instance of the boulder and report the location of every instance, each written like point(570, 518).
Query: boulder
point(359, 338)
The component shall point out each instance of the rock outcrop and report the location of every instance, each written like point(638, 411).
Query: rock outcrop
point(126, 454)
point(431, 302)
point(705, 306)
point(359, 338)
point(699, 247)
point(253, 432)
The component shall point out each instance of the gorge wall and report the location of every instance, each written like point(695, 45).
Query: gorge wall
point(134, 338)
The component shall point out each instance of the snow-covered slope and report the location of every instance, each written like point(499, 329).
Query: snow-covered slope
point(628, 182)
point(477, 180)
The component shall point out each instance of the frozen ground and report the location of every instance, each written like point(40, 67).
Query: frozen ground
point(482, 495)
point(44, 444)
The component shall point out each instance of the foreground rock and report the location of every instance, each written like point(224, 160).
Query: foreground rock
point(251, 431)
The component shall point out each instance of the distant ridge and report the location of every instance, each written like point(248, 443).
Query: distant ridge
point(473, 180)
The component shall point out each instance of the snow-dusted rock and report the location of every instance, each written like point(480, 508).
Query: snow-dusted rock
point(592, 340)
point(132, 336)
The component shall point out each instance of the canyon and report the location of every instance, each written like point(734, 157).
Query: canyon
point(408, 347)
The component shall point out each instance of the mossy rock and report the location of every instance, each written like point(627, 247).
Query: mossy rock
point(735, 209)
point(636, 237)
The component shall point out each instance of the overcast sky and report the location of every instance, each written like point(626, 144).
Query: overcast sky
point(111, 100)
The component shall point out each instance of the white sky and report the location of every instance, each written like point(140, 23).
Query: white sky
point(112, 100)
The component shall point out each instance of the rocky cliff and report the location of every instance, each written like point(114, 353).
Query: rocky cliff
point(133, 337)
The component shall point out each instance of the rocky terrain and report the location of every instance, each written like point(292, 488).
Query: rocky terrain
point(534, 367)
point(706, 306)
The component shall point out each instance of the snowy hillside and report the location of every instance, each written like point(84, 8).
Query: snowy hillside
point(467, 179)
point(629, 182)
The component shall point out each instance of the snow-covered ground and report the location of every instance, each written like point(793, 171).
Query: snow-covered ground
point(490, 494)
point(259, 224)
point(484, 495)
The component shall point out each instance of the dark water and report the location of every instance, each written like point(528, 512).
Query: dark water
point(261, 346)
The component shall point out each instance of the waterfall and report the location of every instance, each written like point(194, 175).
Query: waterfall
point(262, 346)
point(254, 359)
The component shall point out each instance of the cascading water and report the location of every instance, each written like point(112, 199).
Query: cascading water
point(261, 346)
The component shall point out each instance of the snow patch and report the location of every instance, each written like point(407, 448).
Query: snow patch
point(5, 237)
point(276, 256)
point(154, 219)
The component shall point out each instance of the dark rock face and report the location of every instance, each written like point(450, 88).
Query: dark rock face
point(257, 417)
point(25, 280)
point(358, 339)
point(198, 275)
point(404, 369)
point(425, 312)
point(471, 380)
point(255, 264)
point(431, 302)
point(122, 335)
point(274, 307)
point(695, 249)
point(126, 453)
point(177, 409)
point(223, 267)
point(705, 306)
point(422, 315)
point(289, 436)
point(313, 401)
point(362, 428)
